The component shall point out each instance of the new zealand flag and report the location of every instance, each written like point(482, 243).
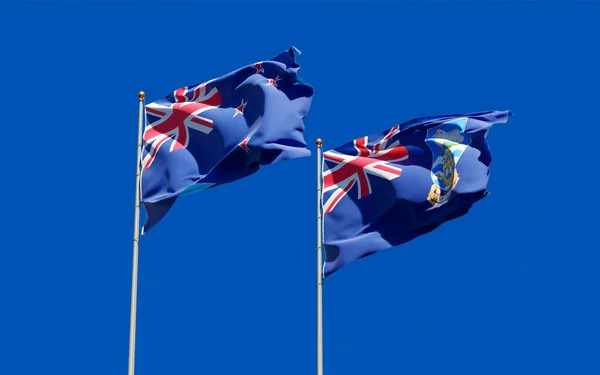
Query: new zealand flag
point(222, 130)
point(386, 189)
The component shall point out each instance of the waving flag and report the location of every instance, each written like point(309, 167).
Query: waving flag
point(386, 189)
point(219, 131)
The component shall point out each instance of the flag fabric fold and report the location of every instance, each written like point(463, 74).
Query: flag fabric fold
point(388, 188)
point(222, 130)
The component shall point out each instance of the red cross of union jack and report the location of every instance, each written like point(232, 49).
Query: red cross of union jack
point(354, 169)
point(176, 119)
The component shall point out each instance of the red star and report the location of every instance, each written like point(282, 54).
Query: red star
point(244, 144)
point(258, 67)
point(240, 110)
point(273, 81)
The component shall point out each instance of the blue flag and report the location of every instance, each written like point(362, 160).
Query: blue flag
point(219, 131)
point(386, 189)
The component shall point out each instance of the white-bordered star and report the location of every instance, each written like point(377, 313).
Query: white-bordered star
point(273, 81)
point(240, 109)
point(258, 67)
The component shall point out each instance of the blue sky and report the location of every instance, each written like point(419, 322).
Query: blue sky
point(227, 279)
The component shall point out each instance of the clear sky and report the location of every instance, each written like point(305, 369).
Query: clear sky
point(227, 279)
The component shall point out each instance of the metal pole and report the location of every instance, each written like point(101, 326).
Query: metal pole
point(319, 259)
point(136, 238)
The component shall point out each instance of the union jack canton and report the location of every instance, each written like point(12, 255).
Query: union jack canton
point(221, 130)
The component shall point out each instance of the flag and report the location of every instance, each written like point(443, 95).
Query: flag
point(388, 188)
point(221, 130)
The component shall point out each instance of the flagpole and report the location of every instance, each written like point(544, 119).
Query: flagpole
point(136, 238)
point(319, 258)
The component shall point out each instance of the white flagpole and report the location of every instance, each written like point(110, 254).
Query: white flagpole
point(319, 258)
point(136, 238)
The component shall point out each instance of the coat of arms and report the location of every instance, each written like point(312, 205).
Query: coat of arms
point(447, 143)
